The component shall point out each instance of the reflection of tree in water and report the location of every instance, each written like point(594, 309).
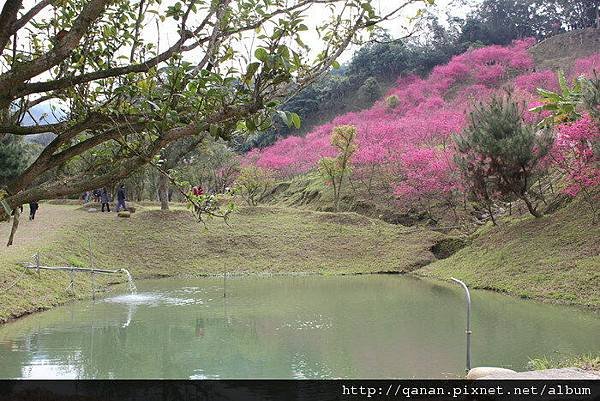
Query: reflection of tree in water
point(200, 327)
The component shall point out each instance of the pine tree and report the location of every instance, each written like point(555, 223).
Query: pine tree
point(499, 143)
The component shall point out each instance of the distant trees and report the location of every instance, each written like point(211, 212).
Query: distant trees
point(15, 156)
point(335, 169)
point(499, 152)
point(502, 21)
point(369, 92)
point(405, 155)
point(492, 22)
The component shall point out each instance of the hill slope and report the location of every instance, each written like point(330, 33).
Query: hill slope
point(556, 257)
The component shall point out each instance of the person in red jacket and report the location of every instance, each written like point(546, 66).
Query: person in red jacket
point(198, 191)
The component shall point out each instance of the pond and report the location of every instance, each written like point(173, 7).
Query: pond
point(289, 327)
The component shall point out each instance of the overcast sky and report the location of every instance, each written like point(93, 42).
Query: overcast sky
point(315, 15)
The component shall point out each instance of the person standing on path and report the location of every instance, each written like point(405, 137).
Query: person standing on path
point(33, 207)
point(121, 196)
point(105, 200)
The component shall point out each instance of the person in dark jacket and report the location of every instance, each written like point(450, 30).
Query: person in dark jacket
point(121, 196)
point(105, 200)
point(33, 207)
point(97, 194)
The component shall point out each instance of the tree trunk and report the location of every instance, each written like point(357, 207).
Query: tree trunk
point(163, 191)
point(491, 212)
point(530, 207)
point(15, 226)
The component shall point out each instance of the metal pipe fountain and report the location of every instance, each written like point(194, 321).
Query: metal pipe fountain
point(468, 329)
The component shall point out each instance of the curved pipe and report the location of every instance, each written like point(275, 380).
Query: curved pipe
point(468, 330)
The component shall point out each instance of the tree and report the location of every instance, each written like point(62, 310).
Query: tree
point(253, 183)
point(498, 145)
point(479, 180)
point(392, 102)
point(15, 155)
point(501, 21)
point(97, 65)
point(335, 169)
point(576, 153)
point(214, 166)
point(369, 92)
point(170, 158)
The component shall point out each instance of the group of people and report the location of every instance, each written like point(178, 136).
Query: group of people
point(102, 196)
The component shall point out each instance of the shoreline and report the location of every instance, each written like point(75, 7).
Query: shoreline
point(415, 274)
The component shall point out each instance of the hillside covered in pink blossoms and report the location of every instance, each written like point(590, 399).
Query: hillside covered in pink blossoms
point(410, 145)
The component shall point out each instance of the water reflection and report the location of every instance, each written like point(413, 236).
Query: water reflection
point(284, 327)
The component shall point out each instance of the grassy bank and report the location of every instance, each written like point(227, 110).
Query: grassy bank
point(585, 362)
point(153, 243)
point(556, 257)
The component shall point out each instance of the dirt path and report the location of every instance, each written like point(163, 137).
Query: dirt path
point(50, 223)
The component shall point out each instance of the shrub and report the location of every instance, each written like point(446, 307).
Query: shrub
point(335, 169)
point(253, 182)
point(392, 102)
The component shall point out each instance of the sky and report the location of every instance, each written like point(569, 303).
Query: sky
point(166, 34)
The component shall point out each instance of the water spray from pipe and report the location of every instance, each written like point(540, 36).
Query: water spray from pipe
point(130, 283)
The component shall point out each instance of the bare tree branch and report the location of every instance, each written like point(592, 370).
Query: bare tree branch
point(63, 47)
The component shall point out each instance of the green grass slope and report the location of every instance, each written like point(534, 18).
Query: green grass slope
point(153, 243)
point(556, 257)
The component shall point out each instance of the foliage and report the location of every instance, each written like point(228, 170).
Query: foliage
point(335, 169)
point(427, 176)
point(498, 148)
point(405, 152)
point(561, 105)
point(15, 155)
point(369, 92)
point(491, 22)
point(392, 101)
point(585, 361)
point(576, 152)
point(214, 168)
point(252, 183)
point(501, 21)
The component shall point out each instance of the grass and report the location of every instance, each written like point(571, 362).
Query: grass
point(556, 257)
point(153, 243)
point(585, 362)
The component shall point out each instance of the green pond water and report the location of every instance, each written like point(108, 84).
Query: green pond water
point(289, 327)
